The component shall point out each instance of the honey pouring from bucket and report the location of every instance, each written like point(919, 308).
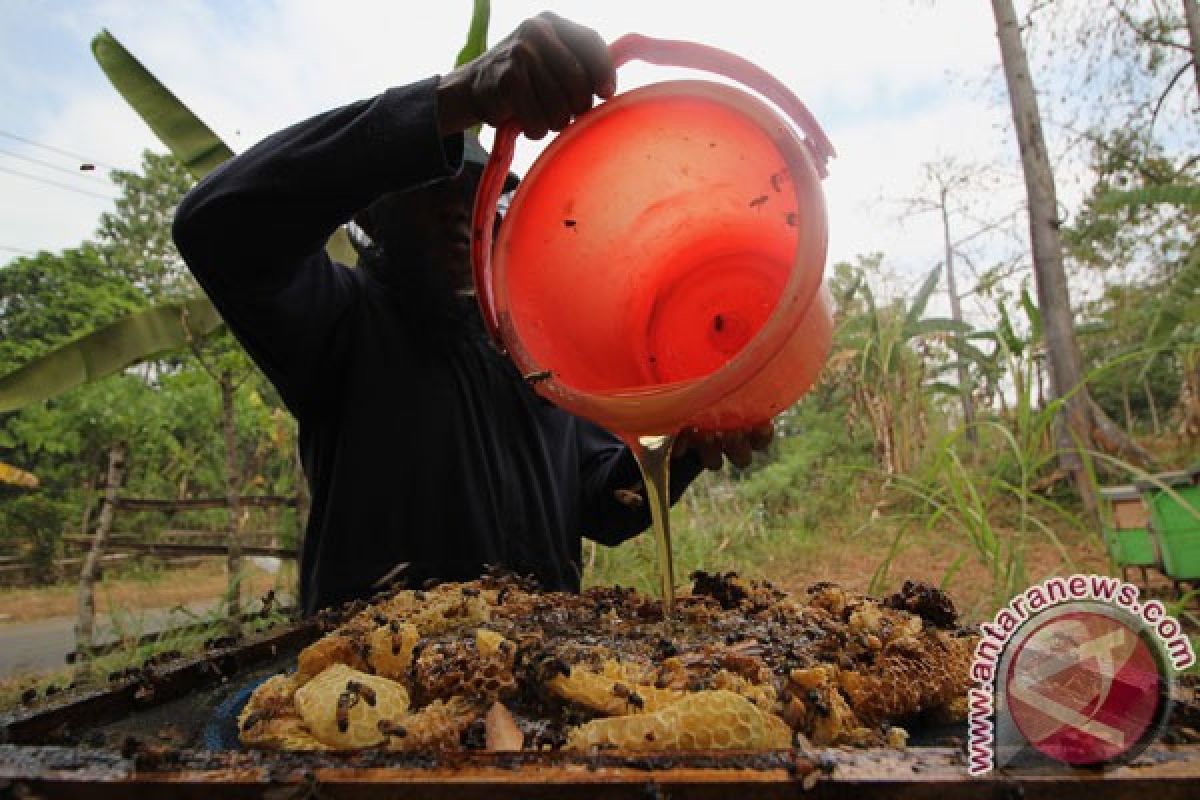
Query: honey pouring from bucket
point(659, 268)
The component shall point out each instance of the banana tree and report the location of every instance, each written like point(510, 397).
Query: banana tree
point(886, 349)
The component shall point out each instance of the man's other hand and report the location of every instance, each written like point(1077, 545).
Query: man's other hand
point(713, 448)
point(544, 73)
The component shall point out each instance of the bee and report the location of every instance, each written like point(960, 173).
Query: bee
point(538, 376)
point(389, 728)
point(631, 697)
point(273, 708)
point(556, 666)
point(362, 690)
point(345, 702)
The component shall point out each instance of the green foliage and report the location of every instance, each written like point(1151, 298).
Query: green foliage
point(1141, 217)
point(32, 524)
point(885, 353)
point(48, 299)
point(66, 318)
point(136, 235)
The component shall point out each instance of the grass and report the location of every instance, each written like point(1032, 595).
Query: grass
point(127, 590)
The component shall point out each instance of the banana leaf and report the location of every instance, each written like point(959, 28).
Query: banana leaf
point(140, 336)
point(477, 33)
point(476, 42)
point(185, 135)
point(921, 299)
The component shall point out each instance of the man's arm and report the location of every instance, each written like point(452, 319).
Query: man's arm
point(253, 232)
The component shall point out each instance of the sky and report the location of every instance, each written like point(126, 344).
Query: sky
point(895, 84)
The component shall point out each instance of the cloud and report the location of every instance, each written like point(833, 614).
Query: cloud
point(879, 75)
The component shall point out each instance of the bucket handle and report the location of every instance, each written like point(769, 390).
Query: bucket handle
point(662, 52)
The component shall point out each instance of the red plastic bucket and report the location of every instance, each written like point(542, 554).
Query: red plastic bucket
point(662, 260)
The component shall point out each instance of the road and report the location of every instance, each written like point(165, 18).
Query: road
point(44, 644)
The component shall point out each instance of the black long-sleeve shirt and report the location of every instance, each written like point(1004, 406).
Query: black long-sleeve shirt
point(440, 458)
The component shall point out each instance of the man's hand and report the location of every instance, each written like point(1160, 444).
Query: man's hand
point(545, 72)
point(713, 448)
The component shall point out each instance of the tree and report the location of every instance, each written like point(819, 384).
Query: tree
point(136, 236)
point(1054, 301)
point(47, 299)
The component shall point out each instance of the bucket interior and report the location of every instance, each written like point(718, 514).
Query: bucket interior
point(652, 242)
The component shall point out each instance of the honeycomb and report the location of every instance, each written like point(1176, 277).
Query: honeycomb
point(269, 720)
point(742, 666)
point(437, 726)
point(610, 692)
point(458, 667)
point(343, 707)
point(710, 720)
point(911, 675)
point(390, 649)
point(324, 653)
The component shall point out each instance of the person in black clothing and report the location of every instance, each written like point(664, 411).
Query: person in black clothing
point(427, 454)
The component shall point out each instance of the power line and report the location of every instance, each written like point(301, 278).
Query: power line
point(59, 150)
point(18, 250)
point(72, 172)
point(56, 184)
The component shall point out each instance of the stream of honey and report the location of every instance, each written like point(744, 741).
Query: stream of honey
point(654, 458)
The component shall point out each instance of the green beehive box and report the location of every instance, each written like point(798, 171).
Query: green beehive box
point(1126, 528)
point(1175, 518)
